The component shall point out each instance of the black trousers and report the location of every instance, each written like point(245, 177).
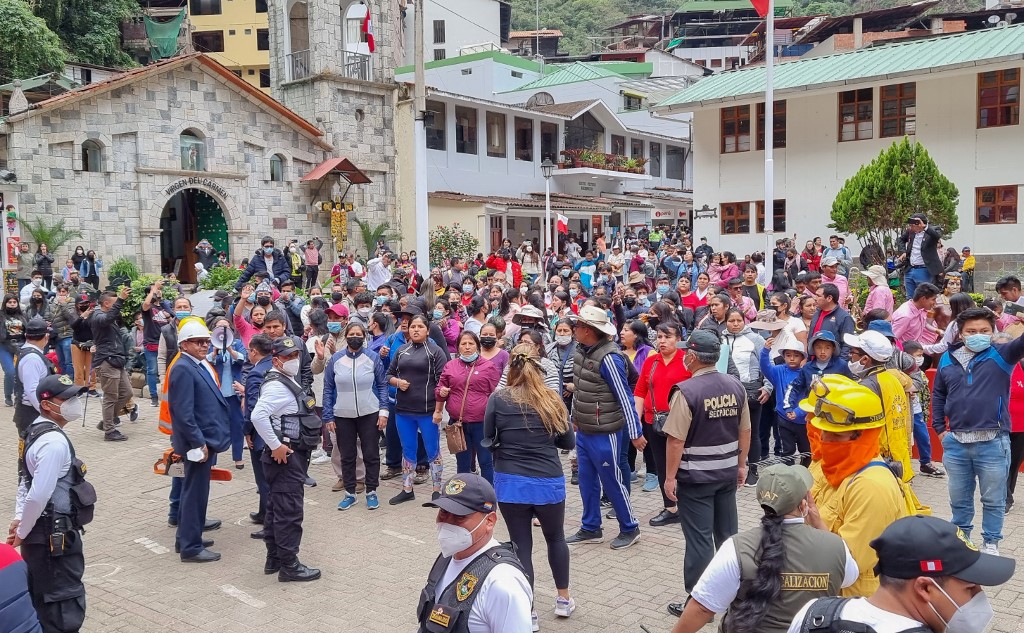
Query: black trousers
point(658, 444)
point(708, 518)
point(518, 518)
point(794, 439)
point(282, 523)
point(754, 453)
point(312, 272)
point(1016, 457)
point(261, 481)
point(364, 430)
point(55, 582)
point(195, 496)
point(649, 464)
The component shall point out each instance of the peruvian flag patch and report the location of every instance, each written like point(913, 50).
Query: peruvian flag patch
point(931, 565)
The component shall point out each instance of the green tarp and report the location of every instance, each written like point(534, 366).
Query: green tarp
point(163, 36)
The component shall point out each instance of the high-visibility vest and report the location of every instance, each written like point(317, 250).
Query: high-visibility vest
point(164, 419)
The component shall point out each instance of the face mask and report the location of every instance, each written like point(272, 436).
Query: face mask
point(263, 301)
point(467, 288)
point(364, 312)
point(268, 250)
point(182, 314)
point(978, 342)
point(290, 367)
point(529, 249)
point(565, 272)
point(354, 342)
point(72, 409)
point(379, 300)
point(488, 341)
point(573, 292)
point(469, 359)
point(642, 300)
point(919, 360)
point(563, 340)
point(334, 327)
point(336, 297)
point(10, 310)
point(37, 282)
point(453, 539)
point(438, 315)
point(856, 367)
point(629, 301)
point(37, 300)
point(662, 290)
point(971, 617)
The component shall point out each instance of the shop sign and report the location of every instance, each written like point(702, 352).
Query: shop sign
point(196, 181)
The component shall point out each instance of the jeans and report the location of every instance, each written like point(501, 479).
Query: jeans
point(914, 277)
point(474, 432)
point(922, 440)
point(7, 364)
point(988, 462)
point(767, 427)
point(63, 347)
point(152, 378)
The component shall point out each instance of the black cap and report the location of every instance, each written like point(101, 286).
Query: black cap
point(918, 216)
point(220, 295)
point(735, 281)
point(58, 387)
point(465, 494)
point(929, 546)
point(36, 328)
point(702, 341)
point(287, 345)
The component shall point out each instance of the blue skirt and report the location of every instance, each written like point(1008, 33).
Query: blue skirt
point(537, 491)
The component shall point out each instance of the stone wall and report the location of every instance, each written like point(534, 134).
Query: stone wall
point(989, 268)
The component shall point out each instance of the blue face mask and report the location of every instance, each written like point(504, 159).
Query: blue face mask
point(565, 272)
point(643, 301)
point(573, 292)
point(182, 314)
point(469, 359)
point(467, 288)
point(438, 315)
point(978, 342)
point(662, 290)
point(379, 300)
point(333, 327)
point(268, 250)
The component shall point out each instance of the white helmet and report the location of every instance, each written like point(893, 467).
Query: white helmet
point(192, 328)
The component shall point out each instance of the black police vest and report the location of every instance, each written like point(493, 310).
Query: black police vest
point(448, 611)
point(19, 386)
point(302, 429)
point(711, 453)
point(73, 496)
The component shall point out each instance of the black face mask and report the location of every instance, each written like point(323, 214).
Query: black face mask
point(354, 342)
point(37, 300)
point(336, 297)
point(629, 301)
point(552, 287)
point(488, 341)
point(653, 321)
point(263, 301)
point(13, 310)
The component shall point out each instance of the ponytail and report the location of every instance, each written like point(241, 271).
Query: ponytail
point(765, 588)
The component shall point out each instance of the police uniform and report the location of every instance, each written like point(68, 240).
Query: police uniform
point(284, 415)
point(50, 528)
point(484, 592)
point(32, 366)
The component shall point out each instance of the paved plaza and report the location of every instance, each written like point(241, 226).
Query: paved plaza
point(374, 563)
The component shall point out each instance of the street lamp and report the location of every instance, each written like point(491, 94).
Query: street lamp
point(545, 168)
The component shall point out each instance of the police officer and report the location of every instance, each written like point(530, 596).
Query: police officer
point(477, 584)
point(32, 367)
point(54, 502)
point(284, 418)
point(708, 435)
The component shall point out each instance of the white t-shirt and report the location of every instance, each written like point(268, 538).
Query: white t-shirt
point(860, 610)
point(720, 582)
point(504, 599)
point(357, 268)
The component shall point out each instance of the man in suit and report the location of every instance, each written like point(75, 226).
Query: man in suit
point(201, 430)
point(920, 241)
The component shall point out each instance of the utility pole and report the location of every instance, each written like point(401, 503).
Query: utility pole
point(420, 143)
point(769, 141)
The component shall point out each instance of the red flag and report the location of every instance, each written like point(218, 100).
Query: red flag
point(563, 224)
point(367, 28)
point(761, 6)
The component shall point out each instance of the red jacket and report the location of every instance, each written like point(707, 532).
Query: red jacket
point(1016, 404)
point(497, 263)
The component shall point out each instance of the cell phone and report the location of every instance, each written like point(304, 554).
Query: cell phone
point(1013, 308)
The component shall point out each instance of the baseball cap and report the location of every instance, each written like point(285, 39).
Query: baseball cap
point(929, 546)
point(966, 249)
point(61, 386)
point(36, 328)
point(918, 217)
point(338, 309)
point(465, 494)
point(872, 342)
point(831, 260)
point(782, 487)
point(883, 327)
point(823, 335)
point(286, 346)
point(701, 341)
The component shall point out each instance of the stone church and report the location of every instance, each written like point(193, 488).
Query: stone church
point(148, 162)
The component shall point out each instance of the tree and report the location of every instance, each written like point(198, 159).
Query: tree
point(373, 234)
point(451, 241)
point(875, 203)
point(90, 29)
point(54, 234)
point(27, 46)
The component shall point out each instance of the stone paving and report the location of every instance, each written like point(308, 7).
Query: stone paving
point(374, 563)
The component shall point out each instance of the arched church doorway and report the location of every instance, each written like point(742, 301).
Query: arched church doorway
point(188, 217)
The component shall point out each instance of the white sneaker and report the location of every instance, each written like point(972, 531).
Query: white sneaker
point(317, 452)
point(564, 606)
point(534, 622)
point(990, 548)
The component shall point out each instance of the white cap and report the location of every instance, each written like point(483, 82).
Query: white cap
point(874, 344)
point(192, 329)
point(831, 260)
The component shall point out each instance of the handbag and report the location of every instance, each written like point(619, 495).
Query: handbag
point(454, 433)
point(660, 417)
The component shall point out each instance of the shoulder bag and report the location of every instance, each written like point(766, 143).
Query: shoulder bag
point(454, 433)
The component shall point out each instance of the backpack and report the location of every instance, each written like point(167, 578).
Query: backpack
point(823, 617)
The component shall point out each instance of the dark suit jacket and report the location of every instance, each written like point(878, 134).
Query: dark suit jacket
point(199, 413)
point(253, 381)
point(929, 248)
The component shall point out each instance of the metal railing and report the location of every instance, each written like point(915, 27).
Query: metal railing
point(356, 65)
point(298, 65)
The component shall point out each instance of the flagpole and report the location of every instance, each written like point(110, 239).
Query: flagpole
point(769, 143)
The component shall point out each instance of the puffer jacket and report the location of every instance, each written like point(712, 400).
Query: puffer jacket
point(745, 348)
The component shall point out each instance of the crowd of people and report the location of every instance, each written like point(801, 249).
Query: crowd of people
point(646, 347)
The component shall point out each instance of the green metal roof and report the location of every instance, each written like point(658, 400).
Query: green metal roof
point(626, 68)
point(28, 85)
point(499, 57)
point(727, 5)
point(571, 73)
point(890, 61)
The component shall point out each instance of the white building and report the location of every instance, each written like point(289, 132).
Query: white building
point(453, 25)
point(958, 95)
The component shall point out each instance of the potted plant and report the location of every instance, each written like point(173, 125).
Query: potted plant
point(641, 163)
point(620, 163)
point(599, 160)
point(122, 273)
point(574, 156)
point(586, 158)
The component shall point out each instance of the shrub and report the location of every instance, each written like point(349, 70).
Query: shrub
point(221, 278)
point(139, 286)
point(447, 242)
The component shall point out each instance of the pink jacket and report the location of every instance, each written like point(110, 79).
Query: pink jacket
point(482, 383)
point(725, 273)
point(451, 332)
point(245, 329)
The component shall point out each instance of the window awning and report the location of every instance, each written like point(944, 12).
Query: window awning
point(341, 166)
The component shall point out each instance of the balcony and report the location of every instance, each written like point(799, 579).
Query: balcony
point(576, 162)
point(298, 65)
point(356, 65)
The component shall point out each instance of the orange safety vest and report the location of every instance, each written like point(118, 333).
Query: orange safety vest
point(164, 419)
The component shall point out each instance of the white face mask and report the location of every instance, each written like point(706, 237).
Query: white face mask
point(564, 339)
point(919, 360)
point(856, 367)
point(453, 539)
point(971, 617)
point(364, 312)
point(72, 409)
point(290, 367)
point(37, 282)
